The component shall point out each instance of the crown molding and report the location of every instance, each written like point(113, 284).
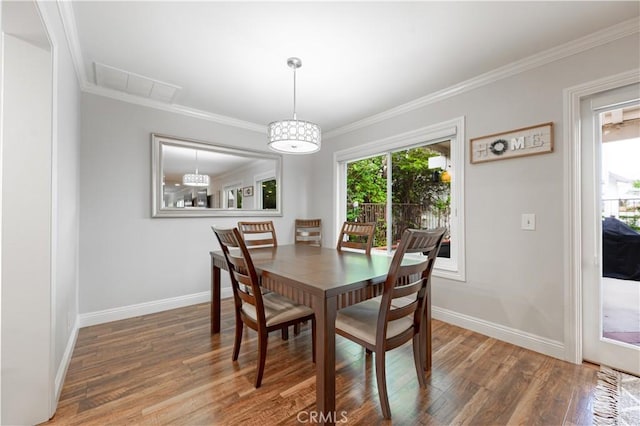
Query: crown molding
point(582, 44)
point(174, 108)
point(68, 19)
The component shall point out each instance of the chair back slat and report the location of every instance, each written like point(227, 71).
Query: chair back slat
point(244, 279)
point(356, 235)
point(406, 290)
point(246, 297)
point(258, 234)
point(308, 231)
point(409, 282)
point(403, 311)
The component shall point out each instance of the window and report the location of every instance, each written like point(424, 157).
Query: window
point(266, 190)
point(413, 180)
point(233, 196)
point(268, 194)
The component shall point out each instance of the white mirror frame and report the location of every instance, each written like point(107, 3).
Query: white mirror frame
point(157, 175)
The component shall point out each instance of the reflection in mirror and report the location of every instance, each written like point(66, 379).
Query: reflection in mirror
point(194, 178)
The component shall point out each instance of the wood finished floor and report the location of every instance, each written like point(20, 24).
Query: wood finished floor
point(166, 369)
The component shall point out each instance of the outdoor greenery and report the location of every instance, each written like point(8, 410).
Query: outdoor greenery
point(366, 182)
point(269, 193)
point(416, 189)
point(632, 221)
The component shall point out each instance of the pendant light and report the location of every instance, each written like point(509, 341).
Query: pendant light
point(195, 179)
point(294, 136)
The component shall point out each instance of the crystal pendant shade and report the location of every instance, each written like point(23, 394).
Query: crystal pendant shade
point(195, 179)
point(294, 136)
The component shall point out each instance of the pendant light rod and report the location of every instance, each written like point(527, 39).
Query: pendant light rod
point(294, 63)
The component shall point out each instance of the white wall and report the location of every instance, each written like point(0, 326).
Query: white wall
point(66, 196)
point(515, 279)
point(246, 176)
point(129, 262)
point(26, 232)
point(40, 272)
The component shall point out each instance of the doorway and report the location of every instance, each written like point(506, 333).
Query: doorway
point(610, 290)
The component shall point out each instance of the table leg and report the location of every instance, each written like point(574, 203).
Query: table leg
point(325, 311)
point(215, 298)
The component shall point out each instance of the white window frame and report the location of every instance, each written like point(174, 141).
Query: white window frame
point(454, 130)
point(231, 187)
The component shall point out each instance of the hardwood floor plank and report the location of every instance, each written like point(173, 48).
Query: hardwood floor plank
point(167, 369)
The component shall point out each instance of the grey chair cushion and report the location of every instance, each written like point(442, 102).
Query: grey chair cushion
point(278, 309)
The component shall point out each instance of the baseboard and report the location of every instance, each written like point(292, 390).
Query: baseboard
point(124, 312)
point(64, 363)
point(130, 311)
point(552, 348)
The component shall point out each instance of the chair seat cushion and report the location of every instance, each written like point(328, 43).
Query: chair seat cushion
point(360, 320)
point(278, 309)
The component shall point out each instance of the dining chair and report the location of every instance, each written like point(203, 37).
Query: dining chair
point(357, 235)
point(262, 234)
point(263, 313)
point(392, 319)
point(258, 234)
point(309, 231)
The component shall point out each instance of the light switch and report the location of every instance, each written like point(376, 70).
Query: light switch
point(528, 221)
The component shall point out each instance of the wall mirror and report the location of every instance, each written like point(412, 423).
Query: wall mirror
point(198, 179)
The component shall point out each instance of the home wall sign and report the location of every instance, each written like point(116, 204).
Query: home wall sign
point(515, 143)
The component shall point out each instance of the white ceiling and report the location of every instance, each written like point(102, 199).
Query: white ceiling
point(359, 59)
point(178, 160)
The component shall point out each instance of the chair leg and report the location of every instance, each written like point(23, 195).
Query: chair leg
point(285, 333)
point(418, 361)
point(238, 339)
point(296, 329)
point(382, 384)
point(262, 356)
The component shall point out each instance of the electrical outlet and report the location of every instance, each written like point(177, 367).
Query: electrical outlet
point(528, 222)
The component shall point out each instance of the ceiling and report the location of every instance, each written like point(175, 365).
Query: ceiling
point(359, 59)
point(177, 160)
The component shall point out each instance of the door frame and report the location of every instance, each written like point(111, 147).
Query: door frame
point(573, 204)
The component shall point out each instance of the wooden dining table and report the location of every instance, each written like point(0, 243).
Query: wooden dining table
point(326, 280)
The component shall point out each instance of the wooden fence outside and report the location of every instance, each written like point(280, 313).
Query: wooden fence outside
point(405, 215)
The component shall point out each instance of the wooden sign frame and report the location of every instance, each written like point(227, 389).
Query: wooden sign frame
point(522, 142)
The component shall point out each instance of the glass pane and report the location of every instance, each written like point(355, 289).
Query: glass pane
point(620, 210)
point(422, 190)
point(231, 199)
point(367, 194)
point(269, 194)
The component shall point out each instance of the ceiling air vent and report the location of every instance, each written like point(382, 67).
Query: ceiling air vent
point(134, 84)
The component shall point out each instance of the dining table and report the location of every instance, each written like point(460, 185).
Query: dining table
point(326, 280)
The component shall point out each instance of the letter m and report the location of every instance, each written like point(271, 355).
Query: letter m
point(517, 143)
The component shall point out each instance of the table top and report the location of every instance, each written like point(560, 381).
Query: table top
point(320, 270)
